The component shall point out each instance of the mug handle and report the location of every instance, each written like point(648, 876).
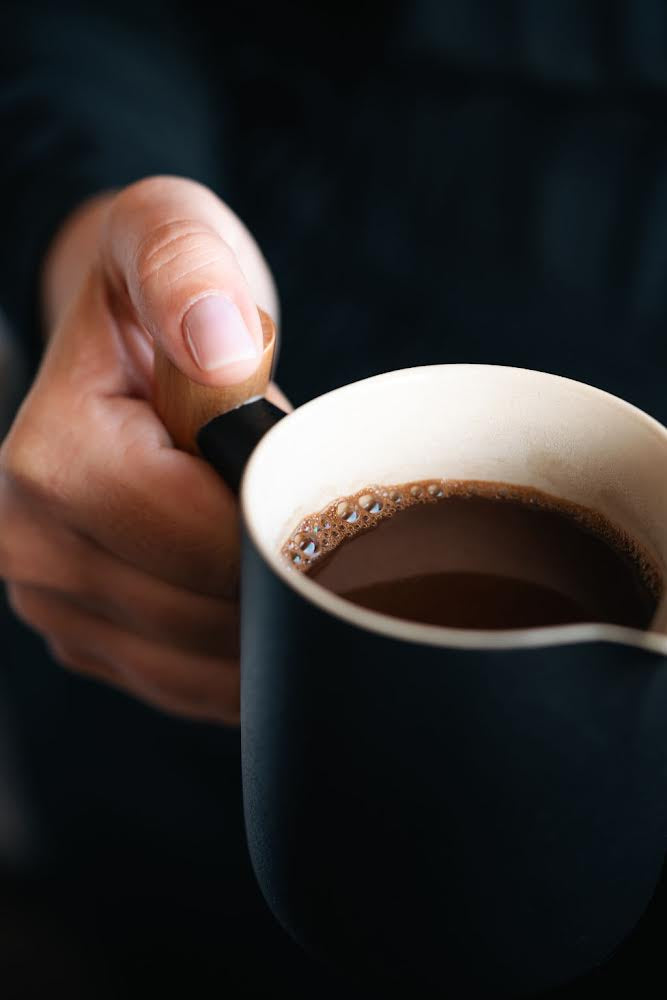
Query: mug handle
point(220, 424)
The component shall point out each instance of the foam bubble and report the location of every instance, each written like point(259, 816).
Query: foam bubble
point(345, 517)
point(370, 503)
point(308, 546)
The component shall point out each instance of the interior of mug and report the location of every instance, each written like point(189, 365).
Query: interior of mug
point(481, 422)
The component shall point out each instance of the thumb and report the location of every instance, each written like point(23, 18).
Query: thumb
point(168, 247)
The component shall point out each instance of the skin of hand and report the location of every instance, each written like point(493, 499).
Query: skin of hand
point(120, 550)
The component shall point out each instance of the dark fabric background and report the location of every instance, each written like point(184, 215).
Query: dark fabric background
point(431, 182)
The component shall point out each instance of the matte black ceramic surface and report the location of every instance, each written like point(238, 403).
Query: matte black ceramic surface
point(491, 821)
point(487, 818)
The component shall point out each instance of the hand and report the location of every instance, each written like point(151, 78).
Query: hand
point(120, 550)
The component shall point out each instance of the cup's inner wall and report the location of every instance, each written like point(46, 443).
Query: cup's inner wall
point(463, 422)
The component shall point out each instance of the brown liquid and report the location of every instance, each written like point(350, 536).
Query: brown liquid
point(476, 555)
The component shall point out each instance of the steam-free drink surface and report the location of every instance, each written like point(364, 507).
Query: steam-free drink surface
point(476, 555)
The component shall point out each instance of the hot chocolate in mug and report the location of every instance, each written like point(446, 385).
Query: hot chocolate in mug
point(485, 811)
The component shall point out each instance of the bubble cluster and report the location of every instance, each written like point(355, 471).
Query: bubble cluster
point(319, 534)
point(345, 517)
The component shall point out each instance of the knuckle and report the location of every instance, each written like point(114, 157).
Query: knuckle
point(7, 535)
point(175, 250)
point(151, 190)
point(138, 191)
point(29, 542)
point(25, 604)
point(217, 697)
point(26, 465)
point(71, 658)
point(16, 459)
point(183, 704)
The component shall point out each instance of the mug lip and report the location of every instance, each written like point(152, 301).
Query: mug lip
point(418, 633)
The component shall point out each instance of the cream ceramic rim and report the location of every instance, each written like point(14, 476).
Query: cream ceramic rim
point(430, 635)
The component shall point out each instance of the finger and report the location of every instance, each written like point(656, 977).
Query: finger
point(57, 560)
point(167, 246)
point(207, 687)
point(157, 611)
point(139, 497)
point(165, 513)
point(102, 463)
point(80, 662)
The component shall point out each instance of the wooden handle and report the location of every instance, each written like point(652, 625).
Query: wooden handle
point(184, 406)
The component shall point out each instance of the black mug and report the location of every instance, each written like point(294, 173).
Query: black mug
point(478, 810)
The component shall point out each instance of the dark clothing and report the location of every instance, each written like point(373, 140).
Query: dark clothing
point(430, 181)
point(433, 181)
